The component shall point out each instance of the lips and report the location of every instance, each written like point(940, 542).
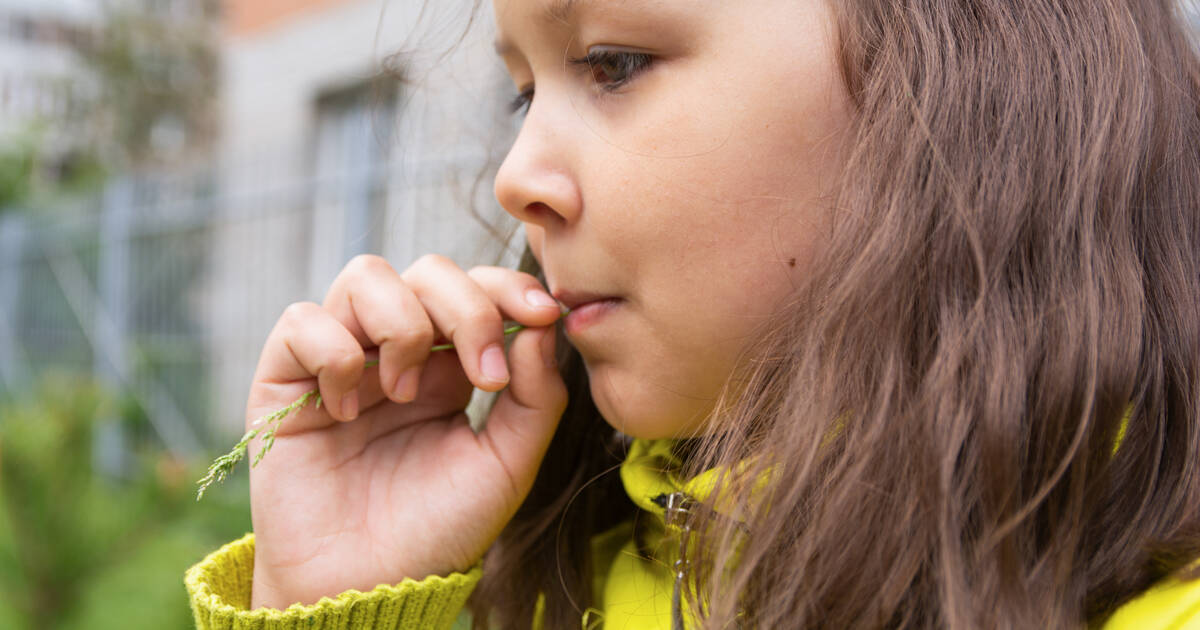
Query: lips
point(574, 299)
point(587, 309)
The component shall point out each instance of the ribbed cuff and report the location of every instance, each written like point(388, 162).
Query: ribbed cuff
point(219, 588)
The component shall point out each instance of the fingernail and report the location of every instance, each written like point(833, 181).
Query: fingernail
point(539, 299)
point(492, 363)
point(548, 349)
point(350, 406)
point(406, 385)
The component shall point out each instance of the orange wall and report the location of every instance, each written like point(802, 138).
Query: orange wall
point(249, 17)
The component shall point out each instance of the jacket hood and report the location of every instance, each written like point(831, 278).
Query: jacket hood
point(651, 471)
point(653, 478)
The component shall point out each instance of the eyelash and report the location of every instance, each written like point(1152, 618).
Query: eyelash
point(629, 65)
point(521, 102)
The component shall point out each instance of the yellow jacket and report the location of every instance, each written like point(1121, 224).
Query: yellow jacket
point(632, 593)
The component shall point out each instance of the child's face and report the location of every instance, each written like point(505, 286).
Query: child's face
point(684, 174)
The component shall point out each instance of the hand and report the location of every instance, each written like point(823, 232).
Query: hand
point(386, 480)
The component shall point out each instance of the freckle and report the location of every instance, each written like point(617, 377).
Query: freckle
point(792, 262)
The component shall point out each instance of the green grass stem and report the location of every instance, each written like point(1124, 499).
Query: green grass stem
point(225, 464)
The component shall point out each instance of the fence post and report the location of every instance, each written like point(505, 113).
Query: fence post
point(110, 359)
point(14, 367)
point(112, 283)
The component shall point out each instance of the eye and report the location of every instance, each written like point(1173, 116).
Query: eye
point(521, 102)
point(611, 69)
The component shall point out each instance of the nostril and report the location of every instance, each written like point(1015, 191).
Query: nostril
point(538, 211)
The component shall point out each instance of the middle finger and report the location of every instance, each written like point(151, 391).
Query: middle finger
point(379, 309)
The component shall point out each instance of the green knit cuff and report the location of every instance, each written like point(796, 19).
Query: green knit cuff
point(219, 588)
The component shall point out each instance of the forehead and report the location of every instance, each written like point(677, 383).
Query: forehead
point(549, 13)
point(561, 10)
point(551, 10)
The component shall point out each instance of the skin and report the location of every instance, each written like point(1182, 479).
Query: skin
point(693, 193)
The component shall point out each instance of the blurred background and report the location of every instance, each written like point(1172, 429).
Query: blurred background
point(173, 174)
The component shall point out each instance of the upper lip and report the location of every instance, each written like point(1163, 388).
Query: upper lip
point(571, 299)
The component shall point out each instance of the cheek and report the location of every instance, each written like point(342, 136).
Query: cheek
point(774, 131)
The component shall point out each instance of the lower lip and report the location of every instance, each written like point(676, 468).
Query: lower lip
point(585, 315)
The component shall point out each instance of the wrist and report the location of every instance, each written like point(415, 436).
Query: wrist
point(295, 585)
point(265, 593)
point(281, 587)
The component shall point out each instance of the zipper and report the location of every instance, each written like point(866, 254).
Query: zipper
point(678, 510)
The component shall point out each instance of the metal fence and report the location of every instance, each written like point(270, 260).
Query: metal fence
point(164, 288)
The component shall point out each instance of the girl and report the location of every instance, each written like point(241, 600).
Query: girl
point(883, 314)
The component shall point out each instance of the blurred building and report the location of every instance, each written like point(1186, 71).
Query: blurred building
point(347, 127)
point(253, 148)
point(105, 85)
point(41, 74)
point(38, 43)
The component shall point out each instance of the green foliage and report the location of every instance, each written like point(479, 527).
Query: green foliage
point(80, 173)
point(79, 550)
point(16, 173)
point(31, 178)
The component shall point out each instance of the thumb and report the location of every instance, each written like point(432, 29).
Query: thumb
point(524, 417)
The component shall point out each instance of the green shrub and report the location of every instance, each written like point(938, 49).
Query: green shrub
point(80, 550)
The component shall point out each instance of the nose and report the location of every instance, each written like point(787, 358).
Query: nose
point(536, 182)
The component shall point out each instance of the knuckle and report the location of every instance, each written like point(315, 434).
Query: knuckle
point(367, 264)
point(482, 317)
point(344, 361)
point(433, 261)
point(415, 337)
point(297, 312)
point(481, 272)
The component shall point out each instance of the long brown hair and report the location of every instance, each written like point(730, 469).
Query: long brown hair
point(1014, 265)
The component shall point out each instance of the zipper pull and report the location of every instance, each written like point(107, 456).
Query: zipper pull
point(677, 507)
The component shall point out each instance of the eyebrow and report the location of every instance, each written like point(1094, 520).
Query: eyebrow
point(560, 10)
point(556, 11)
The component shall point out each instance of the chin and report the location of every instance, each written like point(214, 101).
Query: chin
point(642, 425)
point(641, 412)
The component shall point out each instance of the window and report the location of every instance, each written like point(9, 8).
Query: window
point(352, 139)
